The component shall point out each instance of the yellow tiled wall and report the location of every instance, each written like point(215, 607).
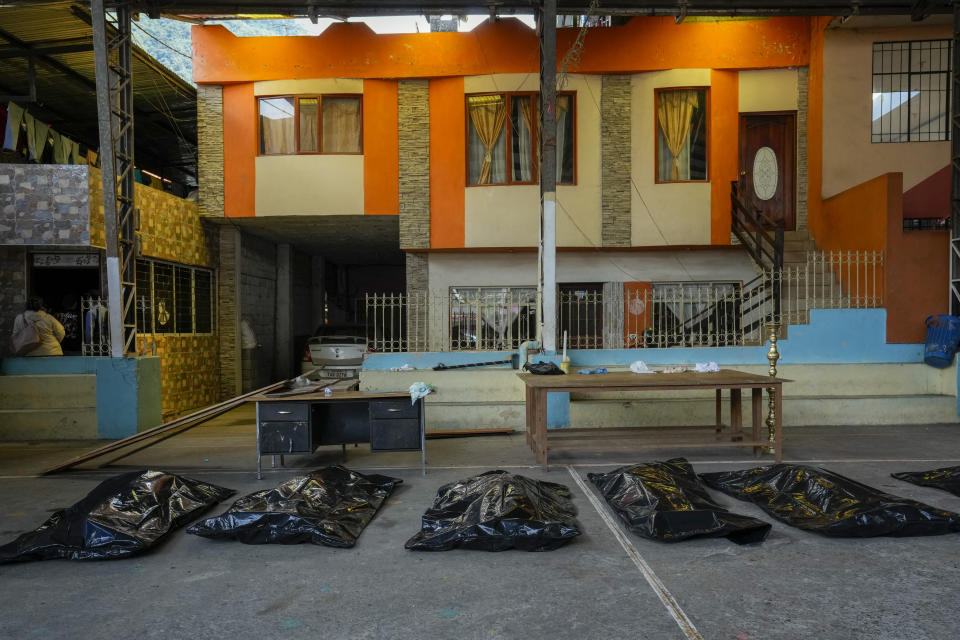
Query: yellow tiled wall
point(170, 229)
point(189, 375)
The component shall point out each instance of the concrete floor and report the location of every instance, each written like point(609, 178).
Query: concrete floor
point(606, 584)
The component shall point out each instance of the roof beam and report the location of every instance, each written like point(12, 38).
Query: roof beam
point(48, 47)
point(83, 81)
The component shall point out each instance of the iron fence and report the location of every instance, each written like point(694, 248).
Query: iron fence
point(95, 328)
point(616, 316)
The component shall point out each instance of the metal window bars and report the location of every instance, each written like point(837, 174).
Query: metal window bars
point(95, 330)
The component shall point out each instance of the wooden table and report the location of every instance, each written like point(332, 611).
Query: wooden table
point(733, 434)
point(301, 423)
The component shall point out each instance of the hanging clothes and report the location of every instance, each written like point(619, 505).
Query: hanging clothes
point(61, 152)
point(11, 134)
point(73, 151)
point(37, 133)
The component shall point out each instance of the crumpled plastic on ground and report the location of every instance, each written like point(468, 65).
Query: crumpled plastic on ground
point(815, 499)
point(403, 367)
point(947, 478)
point(122, 516)
point(419, 390)
point(331, 506)
point(640, 367)
point(706, 367)
point(666, 501)
point(677, 368)
point(495, 511)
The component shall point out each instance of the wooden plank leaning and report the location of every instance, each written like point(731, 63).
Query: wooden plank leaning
point(183, 423)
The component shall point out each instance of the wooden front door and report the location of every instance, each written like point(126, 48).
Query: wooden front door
point(768, 164)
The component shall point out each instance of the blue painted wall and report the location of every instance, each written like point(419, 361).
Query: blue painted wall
point(834, 336)
point(128, 389)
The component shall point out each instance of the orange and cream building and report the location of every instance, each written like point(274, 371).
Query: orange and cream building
point(427, 141)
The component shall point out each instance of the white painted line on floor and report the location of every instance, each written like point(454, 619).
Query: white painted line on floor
point(673, 607)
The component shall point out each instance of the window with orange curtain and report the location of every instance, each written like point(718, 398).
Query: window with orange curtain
point(503, 138)
point(331, 124)
point(681, 148)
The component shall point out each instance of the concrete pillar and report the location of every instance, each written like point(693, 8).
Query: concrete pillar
point(318, 290)
point(228, 312)
point(283, 365)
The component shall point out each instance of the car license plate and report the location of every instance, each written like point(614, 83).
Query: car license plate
point(341, 373)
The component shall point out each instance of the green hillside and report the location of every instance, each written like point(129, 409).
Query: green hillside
point(169, 40)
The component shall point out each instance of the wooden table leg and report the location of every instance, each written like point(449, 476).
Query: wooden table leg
point(529, 402)
point(736, 415)
point(757, 406)
point(778, 426)
point(719, 409)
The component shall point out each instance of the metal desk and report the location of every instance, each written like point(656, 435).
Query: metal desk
point(301, 423)
point(733, 434)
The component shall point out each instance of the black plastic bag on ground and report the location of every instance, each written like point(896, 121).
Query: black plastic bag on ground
point(543, 369)
point(496, 511)
point(122, 516)
point(818, 500)
point(331, 506)
point(666, 501)
point(947, 478)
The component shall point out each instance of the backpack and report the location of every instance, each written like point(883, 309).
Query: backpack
point(27, 339)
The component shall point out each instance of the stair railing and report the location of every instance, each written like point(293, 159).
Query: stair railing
point(761, 236)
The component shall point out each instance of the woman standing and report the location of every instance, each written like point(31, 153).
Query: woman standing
point(49, 329)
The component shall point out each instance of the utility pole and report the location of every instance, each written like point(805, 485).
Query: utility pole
point(115, 117)
point(548, 174)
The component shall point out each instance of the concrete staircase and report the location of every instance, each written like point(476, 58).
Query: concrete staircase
point(48, 407)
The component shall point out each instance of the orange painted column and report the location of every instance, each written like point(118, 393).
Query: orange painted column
point(448, 163)
point(239, 150)
point(381, 148)
point(815, 128)
point(723, 148)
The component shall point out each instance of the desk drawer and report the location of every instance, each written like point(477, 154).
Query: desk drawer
point(285, 437)
point(393, 409)
point(395, 435)
point(284, 411)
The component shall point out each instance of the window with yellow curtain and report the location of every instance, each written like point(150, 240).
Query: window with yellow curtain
point(681, 134)
point(503, 138)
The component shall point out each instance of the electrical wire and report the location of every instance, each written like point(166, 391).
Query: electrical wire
point(187, 56)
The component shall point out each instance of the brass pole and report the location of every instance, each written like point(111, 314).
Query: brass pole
point(773, 330)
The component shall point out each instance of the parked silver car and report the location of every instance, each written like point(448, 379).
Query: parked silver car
point(338, 351)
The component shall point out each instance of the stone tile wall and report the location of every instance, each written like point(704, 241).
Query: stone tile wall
point(615, 160)
point(228, 312)
point(44, 204)
point(13, 291)
point(414, 122)
point(210, 148)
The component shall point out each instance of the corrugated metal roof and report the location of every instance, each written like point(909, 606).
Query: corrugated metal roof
point(61, 38)
point(358, 8)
